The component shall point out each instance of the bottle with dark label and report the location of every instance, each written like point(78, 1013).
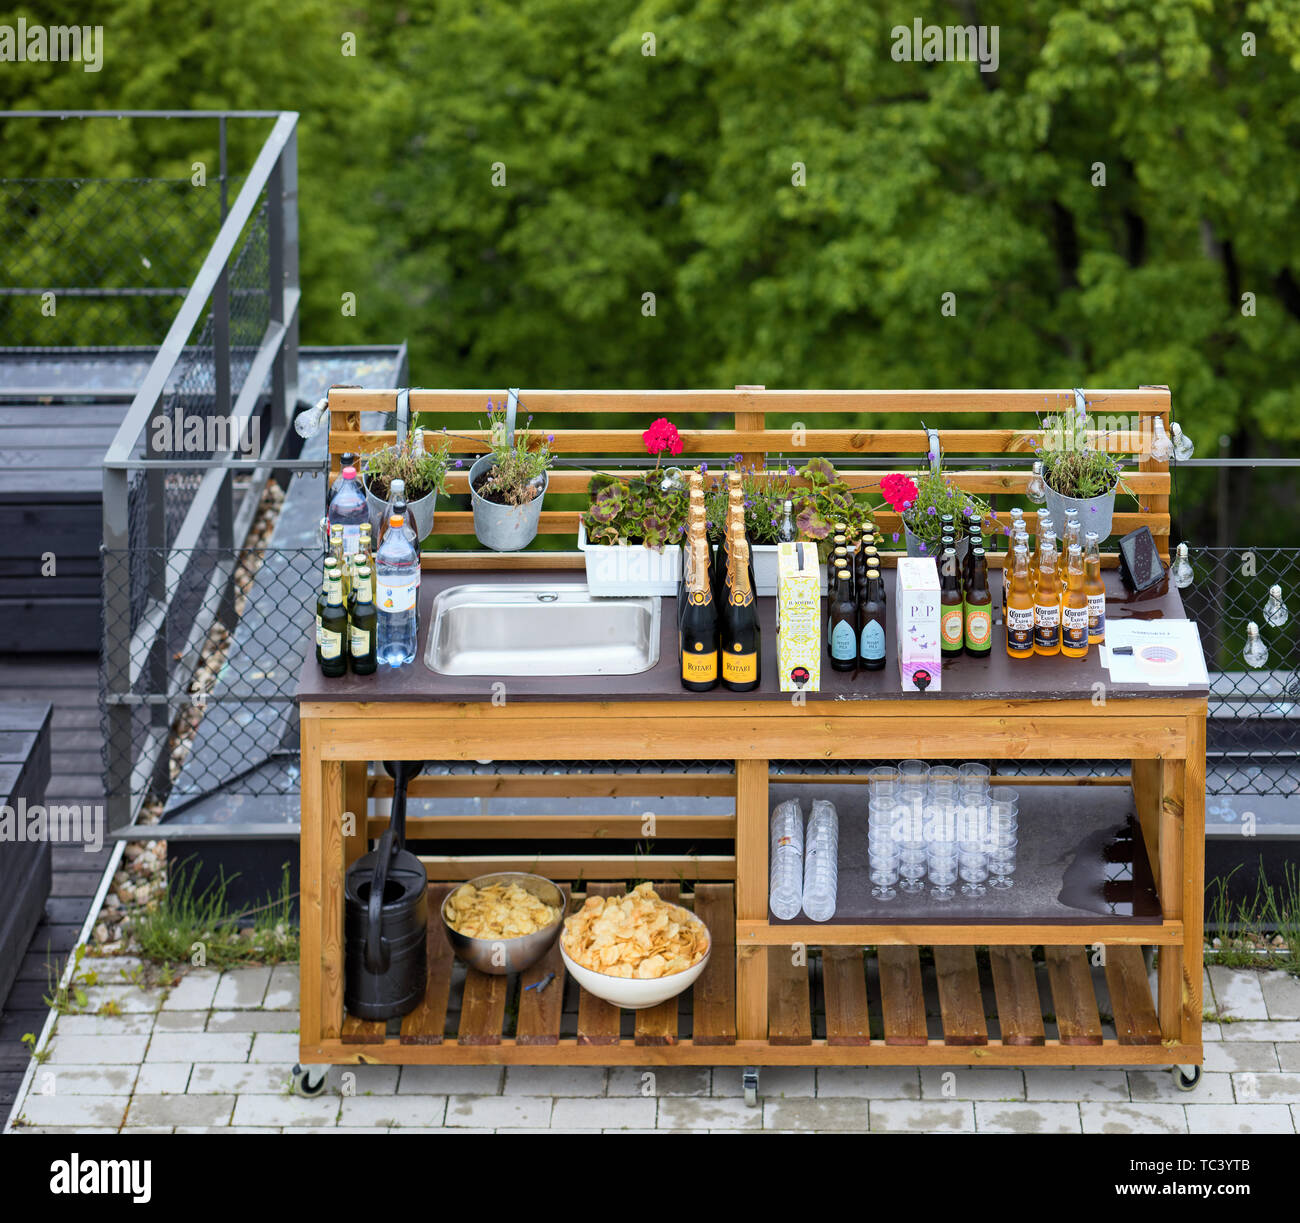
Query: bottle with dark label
point(979, 607)
point(363, 626)
point(950, 605)
point(740, 645)
point(333, 633)
point(871, 621)
point(1019, 616)
point(1095, 589)
point(1074, 607)
point(1047, 601)
point(698, 637)
point(842, 623)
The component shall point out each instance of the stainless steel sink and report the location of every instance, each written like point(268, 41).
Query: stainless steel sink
point(540, 629)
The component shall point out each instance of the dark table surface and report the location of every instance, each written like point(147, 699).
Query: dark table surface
point(997, 677)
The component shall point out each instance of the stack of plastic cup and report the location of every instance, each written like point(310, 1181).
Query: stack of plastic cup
point(972, 856)
point(1001, 838)
point(821, 861)
point(909, 832)
point(941, 846)
point(785, 885)
point(883, 851)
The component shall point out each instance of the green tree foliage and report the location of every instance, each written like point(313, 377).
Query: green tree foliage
point(797, 201)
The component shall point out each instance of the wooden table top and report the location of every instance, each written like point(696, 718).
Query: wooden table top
point(997, 677)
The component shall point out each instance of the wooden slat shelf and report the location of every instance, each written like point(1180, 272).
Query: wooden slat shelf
point(818, 998)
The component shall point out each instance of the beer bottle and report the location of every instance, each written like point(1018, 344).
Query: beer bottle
point(1019, 616)
point(842, 623)
point(330, 574)
point(739, 627)
point(947, 523)
point(1074, 607)
point(975, 539)
point(698, 630)
point(1047, 601)
point(950, 605)
point(333, 633)
point(979, 607)
point(871, 619)
point(1095, 589)
point(363, 626)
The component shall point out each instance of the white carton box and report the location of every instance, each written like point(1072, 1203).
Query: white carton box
point(916, 613)
point(798, 618)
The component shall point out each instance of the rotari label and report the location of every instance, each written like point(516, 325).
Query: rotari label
point(700, 668)
point(739, 668)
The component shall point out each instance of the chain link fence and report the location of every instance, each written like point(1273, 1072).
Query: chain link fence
point(99, 263)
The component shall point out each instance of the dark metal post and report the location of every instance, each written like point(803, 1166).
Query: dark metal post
point(115, 649)
point(282, 204)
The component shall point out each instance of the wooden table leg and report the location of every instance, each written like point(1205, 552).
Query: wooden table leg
point(355, 803)
point(1173, 863)
point(1193, 878)
point(309, 885)
point(751, 895)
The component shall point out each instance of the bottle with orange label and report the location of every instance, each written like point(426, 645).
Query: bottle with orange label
point(698, 633)
point(951, 619)
point(740, 644)
point(979, 607)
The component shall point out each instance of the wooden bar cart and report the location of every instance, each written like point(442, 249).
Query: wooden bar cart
point(1112, 864)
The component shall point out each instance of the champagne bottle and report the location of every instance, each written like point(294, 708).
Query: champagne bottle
point(698, 635)
point(871, 617)
point(1095, 589)
point(1074, 608)
point(842, 623)
point(741, 646)
point(979, 607)
point(951, 622)
point(363, 626)
point(1019, 616)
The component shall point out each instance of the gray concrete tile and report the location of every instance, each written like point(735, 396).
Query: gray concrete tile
point(1108, 1118)
point(1038, 1118)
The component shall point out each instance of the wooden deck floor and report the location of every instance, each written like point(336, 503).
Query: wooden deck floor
point(70, 683)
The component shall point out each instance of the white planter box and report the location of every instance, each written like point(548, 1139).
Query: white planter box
point(625, 570)
point(630, 569)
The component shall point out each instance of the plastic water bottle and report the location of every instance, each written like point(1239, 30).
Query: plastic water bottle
point(348, 509)
point(821, 861)
point(397, 596)
point(785, 893)
point(397, 505)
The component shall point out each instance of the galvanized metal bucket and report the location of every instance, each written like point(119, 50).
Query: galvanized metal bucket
point(1095, 513)
point(504, 528)
point(421, 511)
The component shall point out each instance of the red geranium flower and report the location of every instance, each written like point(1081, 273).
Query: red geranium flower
point(899, 491)
point(662, 436)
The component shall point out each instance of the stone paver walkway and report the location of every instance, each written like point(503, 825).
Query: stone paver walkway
point(213, 1054)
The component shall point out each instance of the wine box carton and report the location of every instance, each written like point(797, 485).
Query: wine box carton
point(916, 613)
point(798, 617)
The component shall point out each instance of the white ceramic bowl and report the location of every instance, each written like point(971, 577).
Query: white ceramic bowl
point(629, 993)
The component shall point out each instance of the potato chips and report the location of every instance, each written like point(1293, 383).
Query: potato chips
point(635, 936)
point(499, 910)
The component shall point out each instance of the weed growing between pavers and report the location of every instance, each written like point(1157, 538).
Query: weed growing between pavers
point(1267, 925)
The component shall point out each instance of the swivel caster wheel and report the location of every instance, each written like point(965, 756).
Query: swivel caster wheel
point(309, 1081)
point(749, 1082)
point(1186, 1078)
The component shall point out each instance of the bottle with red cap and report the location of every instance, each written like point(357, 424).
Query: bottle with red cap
point(348, 510)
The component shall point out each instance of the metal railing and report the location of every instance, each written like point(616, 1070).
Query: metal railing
point(200, 418)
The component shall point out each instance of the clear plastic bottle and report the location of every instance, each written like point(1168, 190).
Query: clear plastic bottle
point(397, 504)
point(397, 596)
point(785, 893)
point(821, 861)
point(348, 510)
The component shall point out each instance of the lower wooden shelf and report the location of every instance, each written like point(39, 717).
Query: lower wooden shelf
point(842, 1005)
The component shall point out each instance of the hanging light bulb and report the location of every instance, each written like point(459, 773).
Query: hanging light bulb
point(1182, 570)
point(307, 422)
point(1256, 652)
point(1184, 447)
point(1162, 449)
point(1276, 613)
point(1036, 490)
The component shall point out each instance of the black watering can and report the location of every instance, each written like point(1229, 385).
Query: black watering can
point(385, 918)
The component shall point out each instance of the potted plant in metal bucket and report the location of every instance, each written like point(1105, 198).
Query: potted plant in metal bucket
point(424, 472)
point(1080, 471)
point(508, 483)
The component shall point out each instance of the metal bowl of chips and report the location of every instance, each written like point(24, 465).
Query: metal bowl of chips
point(507, 953)
point(646, 975)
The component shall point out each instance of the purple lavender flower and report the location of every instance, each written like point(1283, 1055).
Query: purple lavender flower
point(791, 470)
point(965, 512)
point(550, 437)
point(931, 511)
point(896, 537)
point(460, 462)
